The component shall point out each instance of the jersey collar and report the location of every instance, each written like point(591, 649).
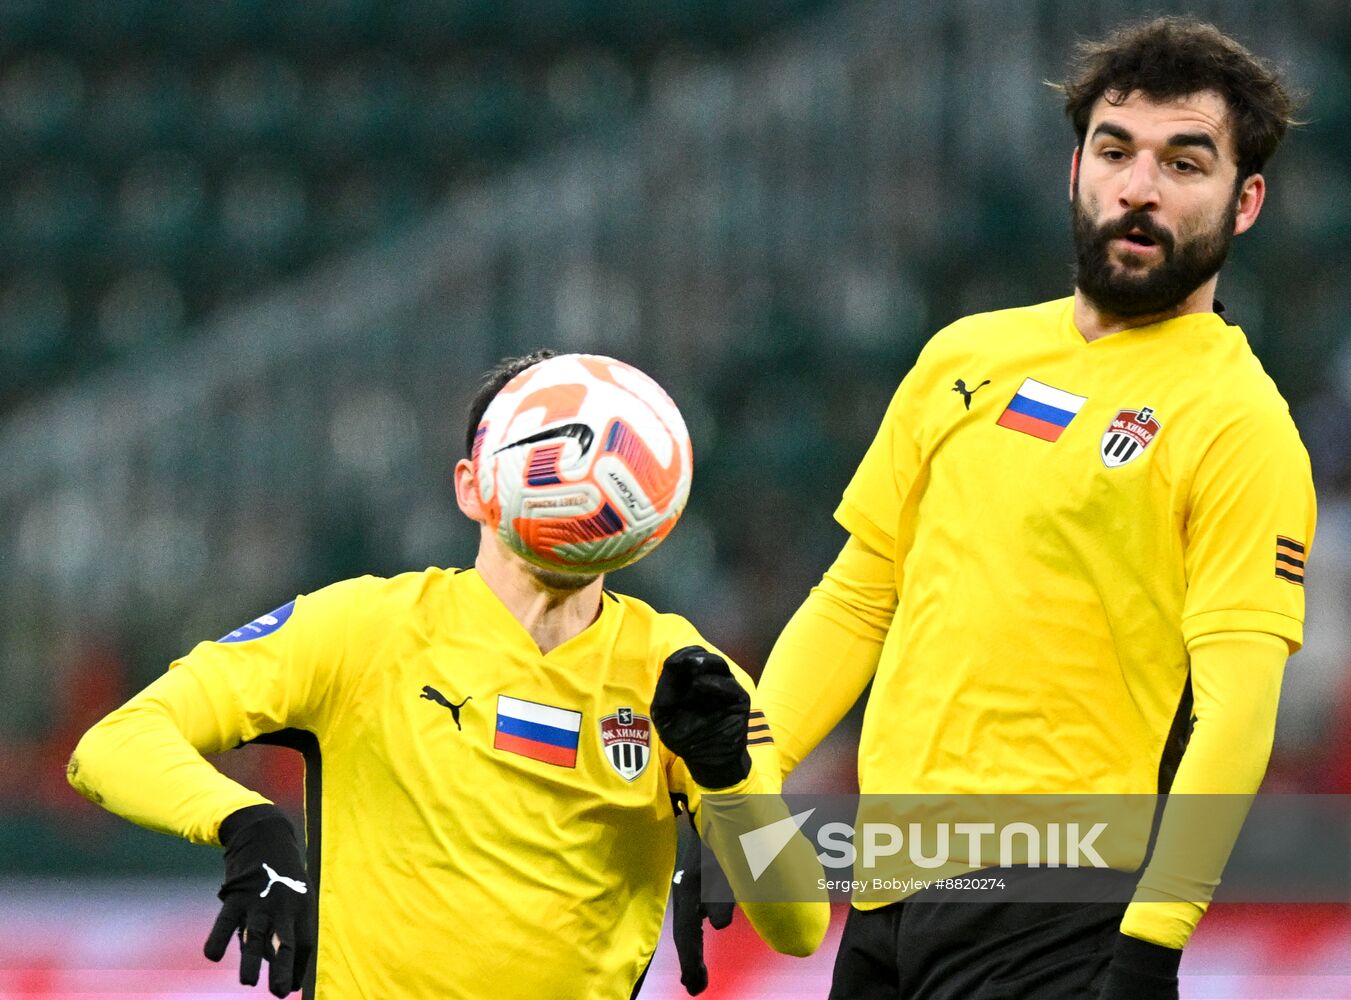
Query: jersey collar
point(496, 615)
point(1201, 322)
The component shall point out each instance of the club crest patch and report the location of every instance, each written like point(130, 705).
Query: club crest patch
point(1128, 435)
point(626, 739)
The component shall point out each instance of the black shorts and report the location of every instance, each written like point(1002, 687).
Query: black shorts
point(960, 945)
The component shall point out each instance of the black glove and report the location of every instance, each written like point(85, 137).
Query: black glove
point(266, 893)
point(701, 714)
point(688, 909)
point(1140, 970)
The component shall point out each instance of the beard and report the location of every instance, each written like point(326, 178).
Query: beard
point(1129, 292)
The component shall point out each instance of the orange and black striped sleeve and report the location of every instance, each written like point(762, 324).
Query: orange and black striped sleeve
point(1290, 559)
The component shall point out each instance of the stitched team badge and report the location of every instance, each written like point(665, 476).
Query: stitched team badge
point(627, 741)
point(1128, 435)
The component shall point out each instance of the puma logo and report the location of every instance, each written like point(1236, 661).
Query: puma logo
point(960, 386)
point(431, 694)
point(273, 878)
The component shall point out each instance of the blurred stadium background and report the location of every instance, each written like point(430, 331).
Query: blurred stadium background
point(254, 255)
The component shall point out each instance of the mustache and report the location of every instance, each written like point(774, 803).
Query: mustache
point(1141, 221)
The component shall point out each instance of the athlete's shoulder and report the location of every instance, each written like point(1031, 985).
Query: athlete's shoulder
point(658, 629)
point(663, 632)
point(1049, 313)
point(401, 588)
point(1235, 380)
point(378, 602)
point(641, 616)
point(416, 586)
point(1002, 326)
point(1225, 404)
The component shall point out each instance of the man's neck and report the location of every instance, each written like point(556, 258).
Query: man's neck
point(1093, 324)
point(552, 615)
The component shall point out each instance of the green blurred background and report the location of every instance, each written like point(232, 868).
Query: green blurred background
point(254, 256)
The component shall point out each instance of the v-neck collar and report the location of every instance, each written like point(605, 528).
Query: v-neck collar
point(1186, 323)
point(604, 621)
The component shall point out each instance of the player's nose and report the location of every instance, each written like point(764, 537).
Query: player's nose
point(1140, 188)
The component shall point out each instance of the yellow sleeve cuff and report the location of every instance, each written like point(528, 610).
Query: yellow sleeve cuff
point(1268, 622)
point(1169, 924)
point(864, 528)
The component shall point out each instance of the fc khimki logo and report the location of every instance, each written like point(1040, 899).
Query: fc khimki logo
point(931, 845)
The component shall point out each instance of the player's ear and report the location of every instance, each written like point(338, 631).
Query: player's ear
point(466, 491)
point(1251, 194)
point(1074, 171)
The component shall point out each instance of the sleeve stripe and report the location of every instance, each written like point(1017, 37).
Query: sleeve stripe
point(1290, 543)
point(1291, 560)
point(1292, 577)
point(758, 732)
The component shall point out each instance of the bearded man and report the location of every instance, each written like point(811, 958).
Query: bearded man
point(1075, 562)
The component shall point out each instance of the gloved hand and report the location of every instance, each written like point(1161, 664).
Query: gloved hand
point(701, 714)
point(1141, 970)
point(266, 893)
point(688, 909)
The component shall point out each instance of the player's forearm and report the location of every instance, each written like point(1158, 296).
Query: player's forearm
point(1236, 682)
point(828, 651)
point(795, 920)
point(795, 929)
point(797, 923)
point(138, 763)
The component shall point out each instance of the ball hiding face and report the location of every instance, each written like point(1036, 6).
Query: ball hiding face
point(583, 464)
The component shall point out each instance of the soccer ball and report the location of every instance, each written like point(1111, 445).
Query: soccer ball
point(583, 464)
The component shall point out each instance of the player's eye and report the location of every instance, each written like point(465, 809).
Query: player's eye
point(1185, 166)
point(1113, 155)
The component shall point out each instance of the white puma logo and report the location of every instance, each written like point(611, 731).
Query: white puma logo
point(273, 878)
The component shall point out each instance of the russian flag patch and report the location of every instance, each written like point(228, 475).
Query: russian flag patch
point(540, 732)
point(1041, 410)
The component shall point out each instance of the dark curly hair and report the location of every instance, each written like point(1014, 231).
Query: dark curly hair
point(1171, 57)
point(493, 381)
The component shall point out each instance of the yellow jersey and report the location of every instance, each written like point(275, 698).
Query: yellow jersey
point(1065, 517)
point(483, 820)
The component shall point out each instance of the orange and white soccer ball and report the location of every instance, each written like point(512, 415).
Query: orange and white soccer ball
point(583, 464)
